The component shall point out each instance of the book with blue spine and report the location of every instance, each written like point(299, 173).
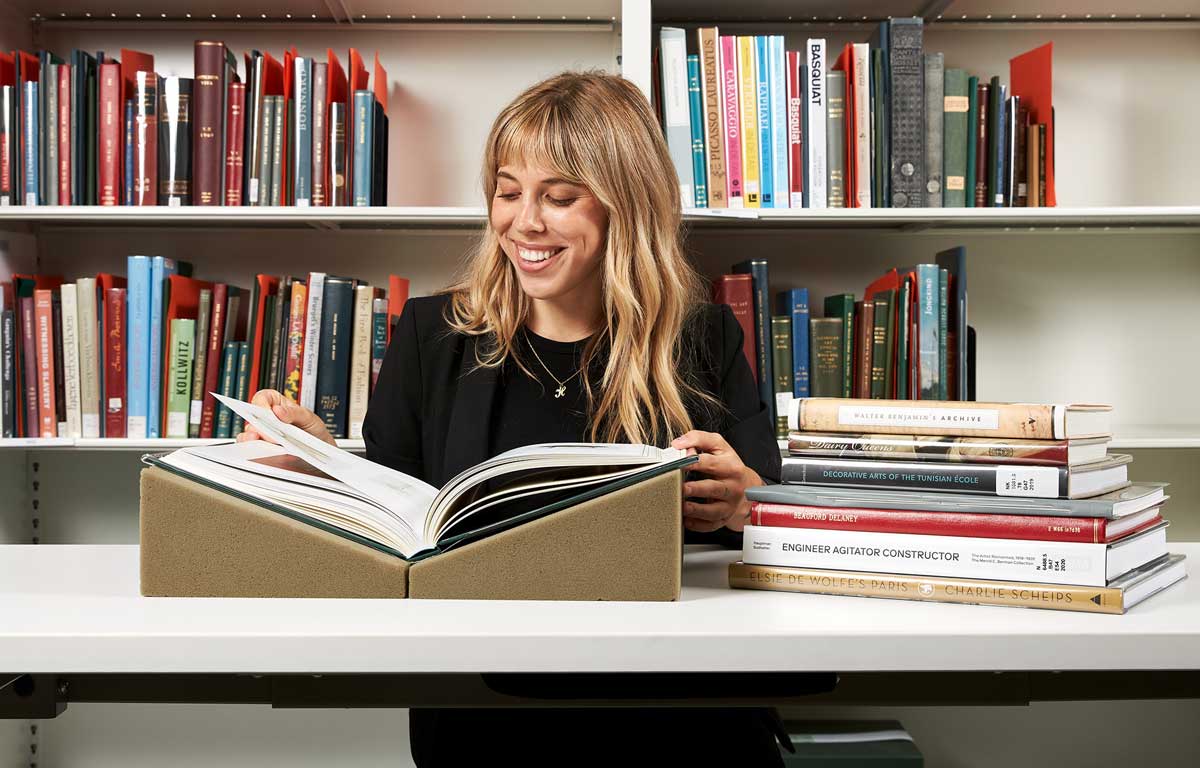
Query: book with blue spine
point(696, 112)
point(779, 135)
point(304, 135)
point(928, 319)
point(757, 269)
point(29, 112)
point(364, 140)
point(242, 385)
point(997, 147)
point(137, 346)
point(130, 130)
point(333, 367)
point(160, 268)
point(228, 380)
point(794, 304)
point(766, 143)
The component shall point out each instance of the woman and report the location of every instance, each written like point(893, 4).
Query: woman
point(578, 318)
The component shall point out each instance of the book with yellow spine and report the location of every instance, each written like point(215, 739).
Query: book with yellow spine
point(748, 90)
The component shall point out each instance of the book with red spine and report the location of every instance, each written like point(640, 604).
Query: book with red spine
point(397, 294)
point(738, 292)
point(320, 133)
point(795, 120)
point(267, 285)
point(64, 134)
point(731, 120)
point(235, 140)
point(1090, 530)
point(110, 153)
point(216, 342)
point(210, 65)
point(105, 282)
point(114, 362)
point(44, 352)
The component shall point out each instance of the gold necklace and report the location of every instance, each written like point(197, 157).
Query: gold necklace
point(562, 384)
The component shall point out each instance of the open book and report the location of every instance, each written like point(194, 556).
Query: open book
point(322, 485)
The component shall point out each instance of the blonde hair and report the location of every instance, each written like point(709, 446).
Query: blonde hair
point(598, 130)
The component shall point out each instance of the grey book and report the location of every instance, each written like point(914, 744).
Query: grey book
point(199, 361)
point(1122, 503)
point(907, 105)
point(267, 131)
point(676, 109)
point(935, 100)
point(301, 149)
point(50, 127)
point(835, 139)
point(1012, 115)
point(278, 118)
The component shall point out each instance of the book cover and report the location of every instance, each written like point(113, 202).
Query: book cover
point(737, 291)
point(44, 355)
point(860, 108)
point(907, 111)
point(881, 121)
point(235, 143)
point(334, 352)
point(302, 142)
point(48, 127)
point(794, 303)
point(279, 135)
point(199, 362)
point(795, 121)
point(175, 141)
point(379, 315)
point(229, 365)
point(182, 298)
point(777, 77)
point(8, 134)
point(748, 109)
point(360, 358)
point(337, 154)
point(816, 174)
point(312, 340)
point(997, 153)
point(935, 104)
point(676, 110)
point(929, 311)
point(241, 384)
point(71, 357)
point(66, 116)
point(179, 376)
point(31, 143)
point(214, 354)
point(982, 158)
point(161, 268)
point(731, 123)
point(712, 116)
point(60, 388)
point(320, 133)
point(842, 306)
point(8, 379)
point(835, 139)
point(757, 269)
point(696, 118)
point(955, 123)
point(826, 351)
point(281, 302)
point(145, 139)
point(881, 345)
point(766, 139)
point(27, 366)
point(781, 363)
point(864, 333)
point(116, 381)
point(954, 262)
point(364, 143)
point(943, 334)
point(137, 392)
point(297, 321)
point(210, 88)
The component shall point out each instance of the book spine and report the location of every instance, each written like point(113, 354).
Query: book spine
point(145, 151)
point(241, 388)
point(757, 269)
point(879, 348)
point(996, 151)
point(816, 176)
point(766, 140)
point(253, 133)
point(887, 307)
point(278, 133)
point(8, 133)
point(302, 145)
point(826, 356)
point(337, 154)
point(90, 143)
point(779, 135)
point(835, 139)
point(199, 363)
point(364, 111)
point(982, 105)
point(1011, 131)
point(29, 366)
point(297, 321)
point(333, 368)
point(675, 107)
point(320, 133)
point(56, 348)
point(160, 269)
point(957, 556)
point(312, 341)
point(29, 111)
point(862, 125)
point(731, 120)
point(904, 341)
point(748, 101)
point(214, 356)
point(955, 111)
point(796, 305)
point(795, 111)
point(128, 177)
point(379, 315)
point(111, 130)
point(8, 383)
point(360, 358)
point(275, 351)
point(179, 376)
point(864, 332)
point(978, 479)
point(1088, 530)
point(1021, 157)
point(881, 122)
point(266, 124)
point(235, 143)
point(115, 381)
point(70, 352)
point(65, 121)
point(943, 321)
point(738, 292)
point(1033, 165)
point(48, 126)
point(696, 118)
point(209, 94)
point(929, 293)
point(925, 588)
point(970, 450)
point(229, 365)
point(842, 306)
point(175, 173)
point(935, 99)
point(907, 97)
point(781, 363)
point(44, 355)
point(138, 365)
point(969, 419)
point(711, 97)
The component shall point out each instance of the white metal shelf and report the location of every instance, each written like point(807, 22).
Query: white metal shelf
point(127, 444)
point(1182, 217)
point(998, 11)
point(355, 12)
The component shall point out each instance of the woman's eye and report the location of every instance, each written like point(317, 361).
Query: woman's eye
point(561, 202)
point(507, 195)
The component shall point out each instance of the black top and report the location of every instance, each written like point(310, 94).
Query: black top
point(528, 409)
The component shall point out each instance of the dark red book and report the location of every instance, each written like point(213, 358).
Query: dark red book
point(208, 118)
point(795, 122)
point(981, 146)
point(235, 160)
point(212, 374)
point(64, 134)
point(320, 132)
point(1089, 530)
point(864, 339)
point(738, 292)
point(110, 155)
point(104, 283)
point(397, 295)
point(114, 362)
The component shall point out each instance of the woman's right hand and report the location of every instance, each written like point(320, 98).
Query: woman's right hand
point(287, 411)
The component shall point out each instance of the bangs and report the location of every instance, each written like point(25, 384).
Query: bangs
point(539, 134)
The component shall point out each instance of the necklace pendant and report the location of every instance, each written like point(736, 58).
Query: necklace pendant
point(562, 390)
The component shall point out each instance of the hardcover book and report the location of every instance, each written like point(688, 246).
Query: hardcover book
point(975, 450)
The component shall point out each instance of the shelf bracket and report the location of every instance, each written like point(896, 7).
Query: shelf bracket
point(32, 697)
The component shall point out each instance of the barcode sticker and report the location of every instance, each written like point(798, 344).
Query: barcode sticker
point(176, 424)
point(197, 409)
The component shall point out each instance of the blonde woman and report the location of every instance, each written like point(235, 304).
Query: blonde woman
point(578, 318)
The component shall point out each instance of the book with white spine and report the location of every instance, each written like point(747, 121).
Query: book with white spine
point(88, 330)
point(71, 381)
point(814, 124)
point(360, 359)
point(312, 336)
point(677, 121)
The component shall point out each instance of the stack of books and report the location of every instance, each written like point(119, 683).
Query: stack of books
point(994, 503)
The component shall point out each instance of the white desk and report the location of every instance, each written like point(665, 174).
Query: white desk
point(76, 609)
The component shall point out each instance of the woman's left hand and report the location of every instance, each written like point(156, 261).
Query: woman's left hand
point(725, 486)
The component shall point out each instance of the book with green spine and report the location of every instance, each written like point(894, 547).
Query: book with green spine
point(972, 119)
point(241, 387)
point(835, 139)
point(826, 348)
point(841, 306)
point(956, 119)
point(781, 363)
point(179, 376)
point(229, 358)
point(881, 345)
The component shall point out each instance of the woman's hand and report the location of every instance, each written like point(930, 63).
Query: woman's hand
point(288, 412)
point(725, 488)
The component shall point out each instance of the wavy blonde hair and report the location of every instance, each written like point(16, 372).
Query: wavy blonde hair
point(598, 130)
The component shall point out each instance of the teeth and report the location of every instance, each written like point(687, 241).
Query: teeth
point(528, 255)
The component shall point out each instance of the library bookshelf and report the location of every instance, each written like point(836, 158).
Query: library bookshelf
point(1096, 300)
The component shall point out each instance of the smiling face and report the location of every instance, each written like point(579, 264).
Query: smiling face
point(553, 232)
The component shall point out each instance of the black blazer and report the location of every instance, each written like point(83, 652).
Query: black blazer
point(432, 406)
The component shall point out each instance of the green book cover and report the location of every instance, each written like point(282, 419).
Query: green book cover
point(228, 379)
point(903, 317)
point(879, 114)
point(781, 363)
point(943, 331)
point(179, 373)
point(972, 119)
point(881, 346)
point(835, 139)
point(842, 306)
point(827, 354)
point(241, 387)
point(956, 119)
